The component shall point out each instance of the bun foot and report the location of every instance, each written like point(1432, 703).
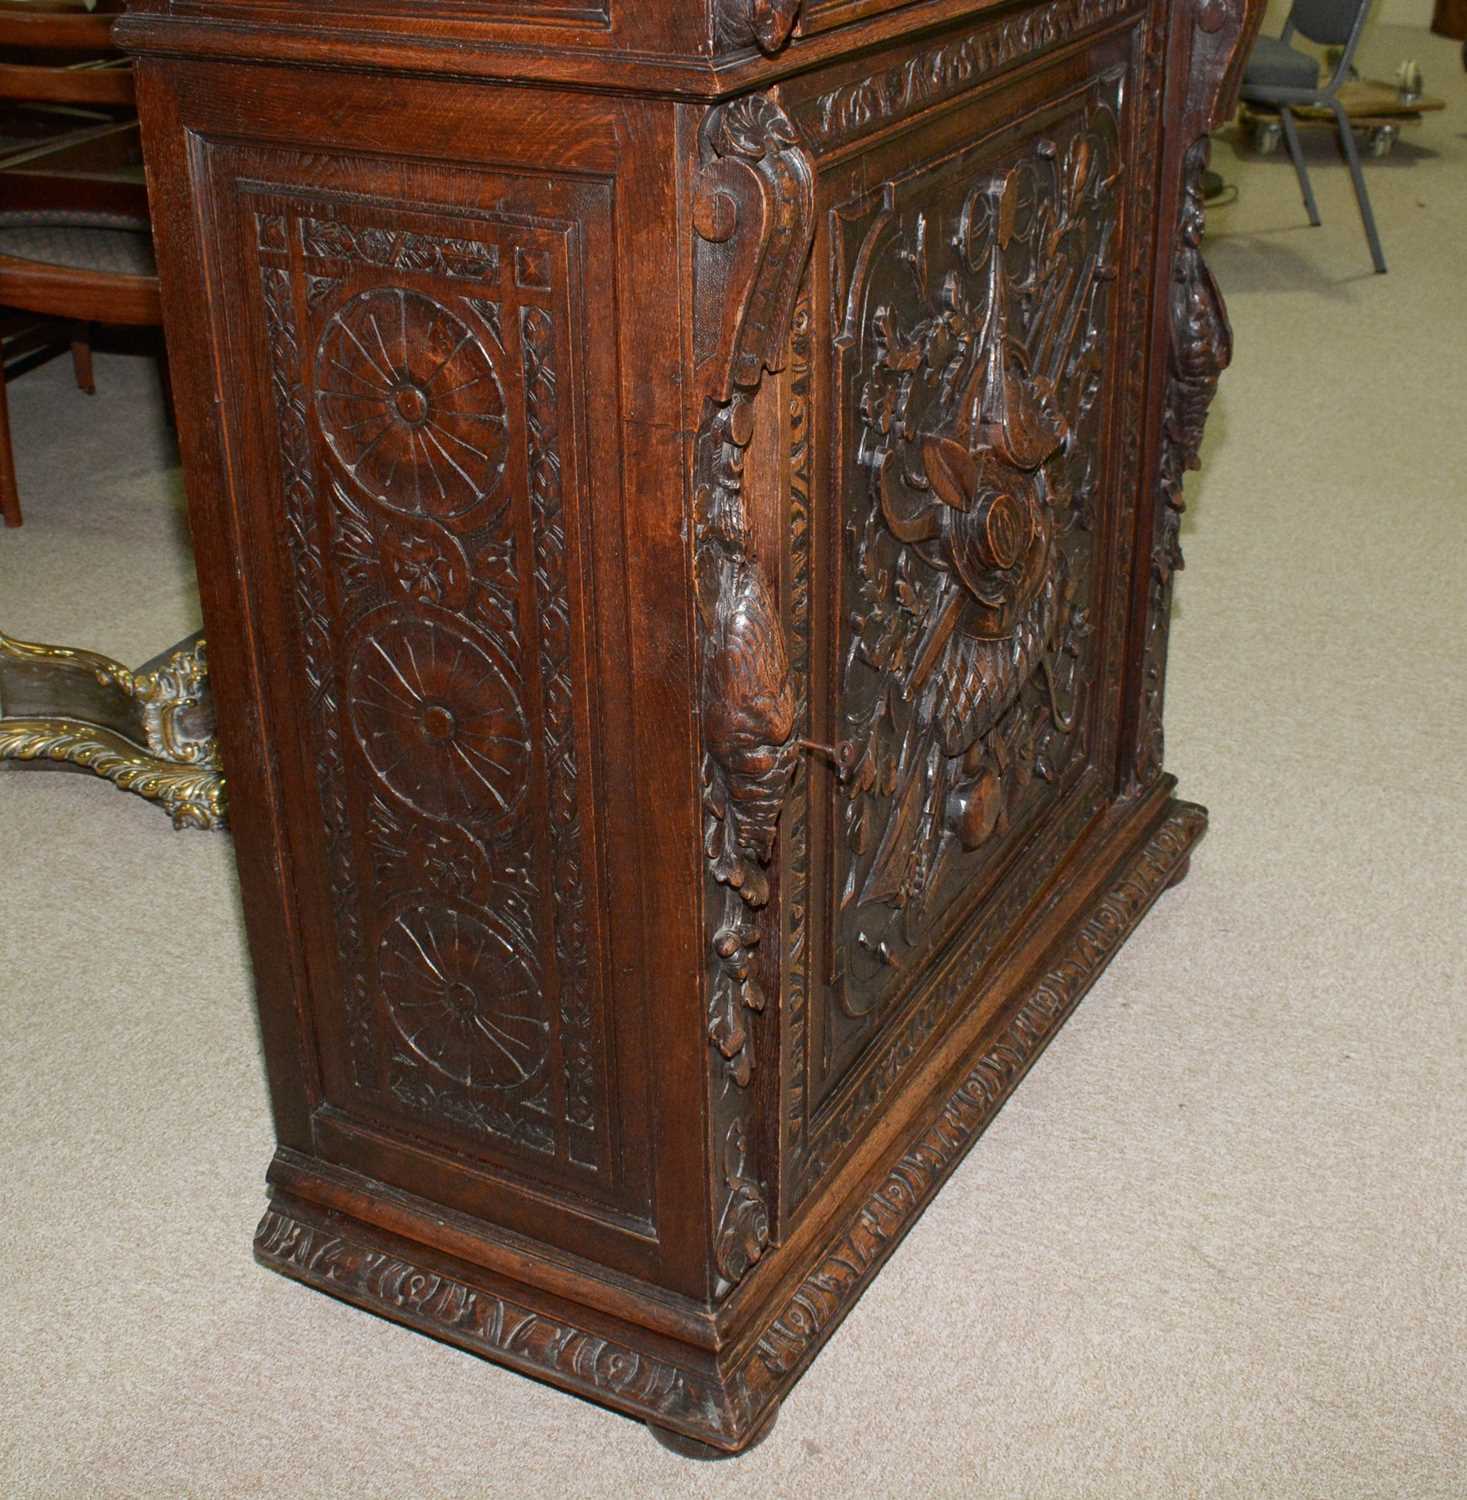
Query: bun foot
point(687, 1447)
point(1180, 873)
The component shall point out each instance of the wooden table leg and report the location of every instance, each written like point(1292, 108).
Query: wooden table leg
point(9, 495)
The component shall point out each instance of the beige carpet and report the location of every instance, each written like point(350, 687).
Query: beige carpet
point(1216, 1246)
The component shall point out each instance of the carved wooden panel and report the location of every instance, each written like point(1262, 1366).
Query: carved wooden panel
point(423, 377)
point(958, 672)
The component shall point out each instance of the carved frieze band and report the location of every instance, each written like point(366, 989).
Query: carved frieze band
point(754, 212)
point(726, 1413)
point(496, 1327)
point(873, 1230)
point(939, 72)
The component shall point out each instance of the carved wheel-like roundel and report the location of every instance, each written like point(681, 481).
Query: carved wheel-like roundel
point(410, 403)
point(438, 719)
point(463, 996)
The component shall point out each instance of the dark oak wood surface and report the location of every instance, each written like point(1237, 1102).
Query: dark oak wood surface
point(686, 501)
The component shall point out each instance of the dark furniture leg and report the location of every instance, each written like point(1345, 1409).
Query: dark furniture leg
point(9, 495)
point(687, 1447)
point(81, 358)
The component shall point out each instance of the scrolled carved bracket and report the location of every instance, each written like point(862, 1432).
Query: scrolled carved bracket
point(1199, 336)
point(766, 23)
point(754, 216)
point(1199, 350)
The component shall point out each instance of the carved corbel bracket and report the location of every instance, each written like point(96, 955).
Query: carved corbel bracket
point(767, 23)
point(1200, 348)
point(754, 218)
point(1199, 336)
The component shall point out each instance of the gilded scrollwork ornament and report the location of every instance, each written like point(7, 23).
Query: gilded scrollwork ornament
point(149, 731)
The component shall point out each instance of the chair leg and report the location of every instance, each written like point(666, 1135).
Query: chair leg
point(9, 495)
point(1347, 140)
point(165, 382)
point(81, 357)
point(1291, 140)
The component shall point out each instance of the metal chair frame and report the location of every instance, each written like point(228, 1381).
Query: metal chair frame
point(1328, 97)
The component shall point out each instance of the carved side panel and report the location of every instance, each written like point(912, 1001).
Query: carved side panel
point(976, 328)
point(974, 319)
point(423, 375)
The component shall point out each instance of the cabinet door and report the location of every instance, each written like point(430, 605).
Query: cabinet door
point(966, 383)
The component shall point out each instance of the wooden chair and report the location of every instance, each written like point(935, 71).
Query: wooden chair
point(74, 233)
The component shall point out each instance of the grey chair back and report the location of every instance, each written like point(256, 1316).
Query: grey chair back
point(1328, 23)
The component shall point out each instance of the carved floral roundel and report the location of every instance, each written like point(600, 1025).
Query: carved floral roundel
point(463, 996)
point(409, 401)
point(438, 719)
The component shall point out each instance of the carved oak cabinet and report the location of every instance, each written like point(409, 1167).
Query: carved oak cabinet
point(686, 495)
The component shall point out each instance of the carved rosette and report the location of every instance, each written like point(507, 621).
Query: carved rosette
point(1199, 349)
point(754, 215)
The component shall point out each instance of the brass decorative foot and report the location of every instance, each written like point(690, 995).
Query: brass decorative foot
point(150, 731)
point(686, 1447)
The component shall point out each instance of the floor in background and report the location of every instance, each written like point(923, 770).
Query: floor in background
point(1216, 1245)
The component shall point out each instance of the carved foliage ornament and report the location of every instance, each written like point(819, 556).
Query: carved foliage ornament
point(767, 23)
point(755, 214)
point(1199, 349)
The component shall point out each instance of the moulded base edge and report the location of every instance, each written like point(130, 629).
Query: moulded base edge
point(727, 1401)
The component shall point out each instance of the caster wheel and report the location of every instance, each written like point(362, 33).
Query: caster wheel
point(1380, 140)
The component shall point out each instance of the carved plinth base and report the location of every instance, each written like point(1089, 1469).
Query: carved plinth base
point(720, 1397)
point(150, 732)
